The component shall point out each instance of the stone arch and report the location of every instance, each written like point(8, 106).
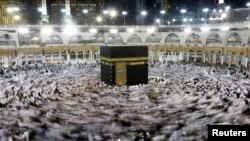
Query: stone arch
point(234, 39)
point(31, 38)
point(115, 39)
point(75, 39)
point(54, 39)
point(6, 39)
point(153, 38)
point(214, 39)
point(97, 38)
point(194, 39)
point(134, 39)
point(172, 39)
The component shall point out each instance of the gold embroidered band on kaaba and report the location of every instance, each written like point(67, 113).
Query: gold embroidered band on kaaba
point(124, 59)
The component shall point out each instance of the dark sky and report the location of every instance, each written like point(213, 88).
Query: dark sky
point(188, 3)
point(194, 5)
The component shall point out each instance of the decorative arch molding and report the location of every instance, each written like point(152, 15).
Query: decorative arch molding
point(234, 39)
point(115, 39)
point(97, 38)
point(54, 39)
point(213, 39)
point(172, 38)
point(76, 39)
point(134, 39)
point(6, 40)
point(153, 38)
point(194, 39)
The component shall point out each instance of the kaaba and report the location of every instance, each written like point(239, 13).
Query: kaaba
point(124, 65)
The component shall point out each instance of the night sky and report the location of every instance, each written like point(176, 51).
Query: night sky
point(191, 5)
point(187, 3)
point(129, 4)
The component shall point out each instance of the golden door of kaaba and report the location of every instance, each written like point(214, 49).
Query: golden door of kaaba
point(121, 73)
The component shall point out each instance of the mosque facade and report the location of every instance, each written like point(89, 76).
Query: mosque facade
point(214, 44)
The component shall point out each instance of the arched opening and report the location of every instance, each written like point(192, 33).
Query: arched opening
point(134, 39)
point(212, 57)
point(76, 39)
point(234, 40)
point(240, 58)
point(206, 56)
point(80, 55)
point(64, 56)
point(153, 38)
point(194, 40)
point(213, 39)
point(97, 38)
point(39, 57)
point(218, 57)
point(191, 56)
point(115, 39)
point(87, 54)
point(8, 40)
point(72, 55)
point(48, 56)
point(54, 39)
point(172, 39)
point(199, 56)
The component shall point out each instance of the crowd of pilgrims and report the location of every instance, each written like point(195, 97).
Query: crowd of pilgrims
point(13, 71)
point(39, 68)
point(203, 86)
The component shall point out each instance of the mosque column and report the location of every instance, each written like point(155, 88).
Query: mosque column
point(60, 57)
point(235, 60)
point(93, 56)
point(244, 61)
point(18, 60)
point(222, 60)
point(229, 59)
point(76, 56)
point(214, 58)
point(26, 59)
point(97, 55)
point(187, 56)
point(90, 55)
point(35, 58)
point(84, 55)
point(209, 57)
point(43, 58)
point(68, 56)
point(195, 56)
point(51, 58)
point(157, 55)
point(204, 57)
point(172, 55)
point(181, 55)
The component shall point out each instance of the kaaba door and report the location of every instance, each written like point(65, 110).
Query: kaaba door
point(121, 73)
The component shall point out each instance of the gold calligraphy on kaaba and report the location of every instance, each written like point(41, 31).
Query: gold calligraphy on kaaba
point(121, 73)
